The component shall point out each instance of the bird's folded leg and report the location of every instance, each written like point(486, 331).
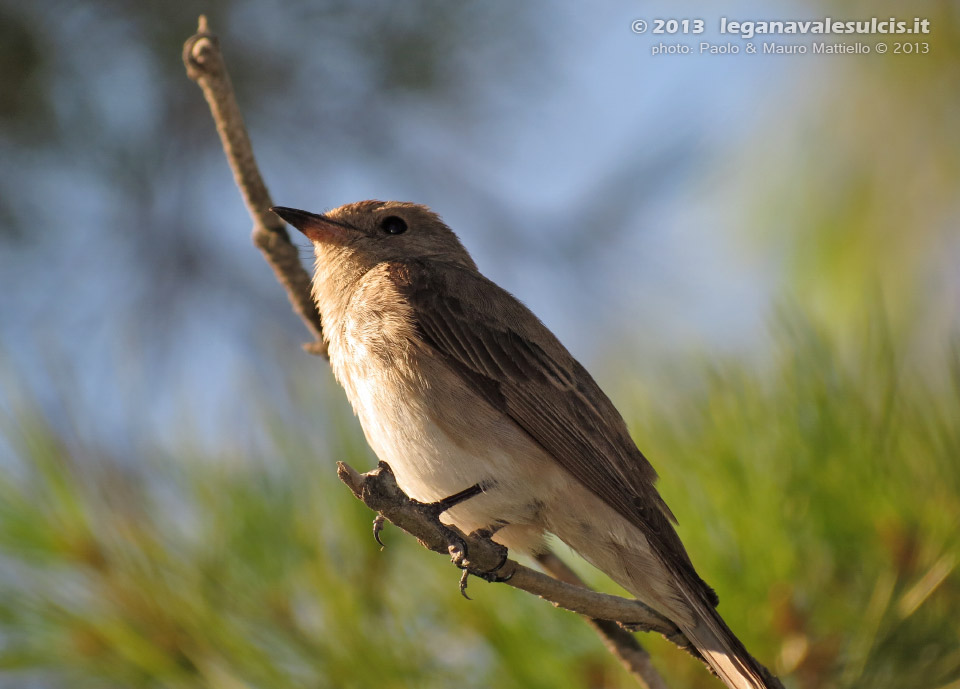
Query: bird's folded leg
point(452, 501)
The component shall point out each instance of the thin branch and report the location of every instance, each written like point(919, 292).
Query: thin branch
point(205, 65)
point(379, 491)
point(611, 616)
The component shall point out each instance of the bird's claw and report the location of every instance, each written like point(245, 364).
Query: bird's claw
point(378, 523)
point(458, 555)
point(457, 546)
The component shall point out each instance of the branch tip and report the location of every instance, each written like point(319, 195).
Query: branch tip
point(205, 65)
point(351, 477)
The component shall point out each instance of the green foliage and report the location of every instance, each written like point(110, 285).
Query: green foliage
point(197, 571)
point(819, 497)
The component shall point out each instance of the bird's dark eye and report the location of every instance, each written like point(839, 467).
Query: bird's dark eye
point(393, 225)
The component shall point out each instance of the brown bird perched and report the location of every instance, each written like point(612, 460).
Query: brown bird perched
point(457, 384)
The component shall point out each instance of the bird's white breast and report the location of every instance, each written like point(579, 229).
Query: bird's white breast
point(439, 437)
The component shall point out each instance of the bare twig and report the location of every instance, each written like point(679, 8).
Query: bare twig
point(205, 65)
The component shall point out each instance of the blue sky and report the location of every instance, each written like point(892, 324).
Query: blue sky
point(609, 189)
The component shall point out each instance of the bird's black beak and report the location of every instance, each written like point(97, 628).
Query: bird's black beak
point(317, 228)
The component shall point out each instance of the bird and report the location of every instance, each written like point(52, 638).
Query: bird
point(456, 384)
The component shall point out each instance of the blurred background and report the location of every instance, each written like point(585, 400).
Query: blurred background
point(756, 256)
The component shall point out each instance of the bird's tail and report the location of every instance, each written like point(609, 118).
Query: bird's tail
point(722, 650)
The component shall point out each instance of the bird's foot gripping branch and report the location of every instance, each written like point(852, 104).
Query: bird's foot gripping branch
point(474, 553)
point(481, 556)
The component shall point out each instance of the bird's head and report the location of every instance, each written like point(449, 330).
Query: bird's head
point(371, 232)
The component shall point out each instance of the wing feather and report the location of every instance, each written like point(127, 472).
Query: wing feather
point(511, 359)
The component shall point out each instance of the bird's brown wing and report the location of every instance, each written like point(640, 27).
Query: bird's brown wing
point(501, 350)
